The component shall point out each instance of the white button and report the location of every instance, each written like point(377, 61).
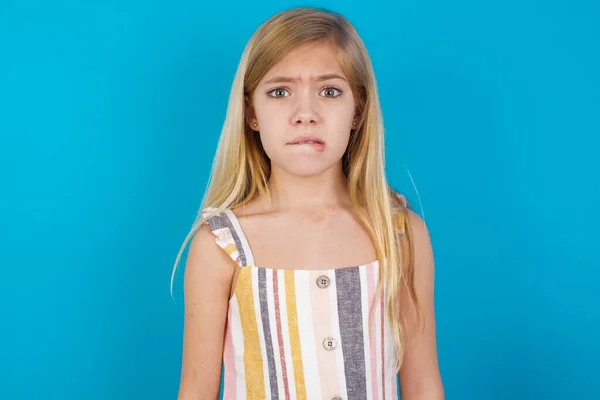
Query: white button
point(323, 281)
point(329, 343)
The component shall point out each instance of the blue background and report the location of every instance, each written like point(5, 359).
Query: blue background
point(110, 113)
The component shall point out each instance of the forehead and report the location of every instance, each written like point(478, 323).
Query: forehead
point(308, 59)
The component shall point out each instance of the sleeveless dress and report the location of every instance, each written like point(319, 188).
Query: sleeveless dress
point(303, 334)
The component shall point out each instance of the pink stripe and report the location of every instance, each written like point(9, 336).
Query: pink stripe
point(279, 335)
point(382, 347)
point(373, 352)
point(229, 384)
point(395, 387)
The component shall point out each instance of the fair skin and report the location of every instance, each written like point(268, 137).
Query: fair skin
point(420, 375)
point(310, 96)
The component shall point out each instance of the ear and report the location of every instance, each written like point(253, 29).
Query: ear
point(250, 114)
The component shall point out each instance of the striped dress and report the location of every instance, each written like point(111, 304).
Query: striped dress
point(303, 334)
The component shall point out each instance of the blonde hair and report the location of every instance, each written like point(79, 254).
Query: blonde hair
point(241, 168)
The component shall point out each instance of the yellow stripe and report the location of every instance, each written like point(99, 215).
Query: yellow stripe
point(401, 222)
point(290, 299)
point(253, 367)
point(230, 248)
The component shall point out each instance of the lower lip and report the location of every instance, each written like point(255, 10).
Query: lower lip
point(317, 146)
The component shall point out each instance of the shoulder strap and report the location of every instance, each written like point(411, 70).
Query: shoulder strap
point(401, 215)
point(229, 235)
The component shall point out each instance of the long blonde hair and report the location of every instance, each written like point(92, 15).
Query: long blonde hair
point(241, 168)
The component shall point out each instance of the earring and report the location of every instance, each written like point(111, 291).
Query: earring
point(255, 124)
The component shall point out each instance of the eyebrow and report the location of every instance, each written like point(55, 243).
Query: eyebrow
point(286, 79)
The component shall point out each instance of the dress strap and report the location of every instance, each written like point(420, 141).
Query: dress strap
point(229, 235)
point(401, 216)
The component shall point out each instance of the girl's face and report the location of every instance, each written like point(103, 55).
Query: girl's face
point(305, 96)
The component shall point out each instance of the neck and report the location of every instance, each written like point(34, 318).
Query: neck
point(325, 190)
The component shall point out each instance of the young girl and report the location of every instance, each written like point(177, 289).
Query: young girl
point(307, 276)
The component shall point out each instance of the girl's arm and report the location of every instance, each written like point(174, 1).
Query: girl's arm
point(207, 283)
point(419, 375)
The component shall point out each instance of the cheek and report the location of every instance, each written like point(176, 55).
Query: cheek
point(339, 141)
point(270, 129)
point(342, 111)
point(339, 125)
point(272, 124)
point(339, 121)
point(269, 114)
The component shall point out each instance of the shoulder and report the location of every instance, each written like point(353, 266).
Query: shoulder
point(421, 242)
point(203, 242)
point(416, 223)
point(418, 230)
point(206, 259)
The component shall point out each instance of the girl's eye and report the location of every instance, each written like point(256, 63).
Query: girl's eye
point(331, 92)
point(283, 92)
point(278, 92)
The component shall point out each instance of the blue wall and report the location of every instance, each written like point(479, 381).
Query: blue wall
point(109, 116)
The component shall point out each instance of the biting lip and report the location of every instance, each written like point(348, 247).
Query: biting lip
point(311, 138)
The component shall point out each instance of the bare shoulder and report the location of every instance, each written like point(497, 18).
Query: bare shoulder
point(420, 237)
point(206, 259)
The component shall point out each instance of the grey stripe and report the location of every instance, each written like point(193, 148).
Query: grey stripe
point(264, 314)
point(349, 306)
point(221, 220)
